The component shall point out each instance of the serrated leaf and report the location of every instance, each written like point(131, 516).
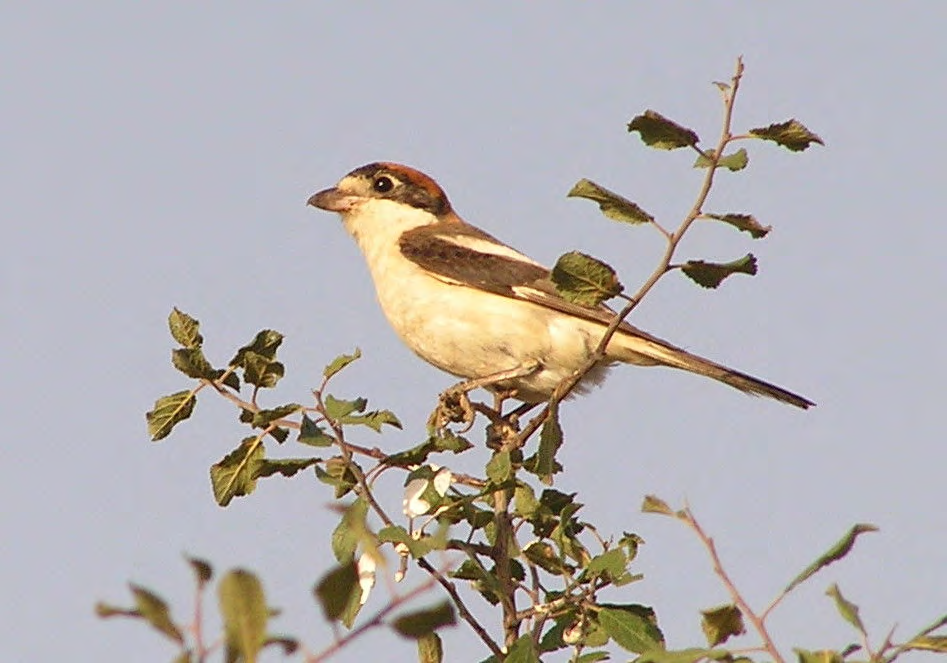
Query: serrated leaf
point(430, 649)
point(499, 468)
point(286, 466)
point(245, 614)
point(448, 441)
point(350, 530)
point(337, 408)
point(721, 623)
point(791, 134)
point(422, 622)
point(819, 656)
point(525, 504)
point(184, 329)
point(745, 222)
point(339, 473)
point(340, 363)
point(613, 205)
point(733, 162)
point(265, 343)
point(416, 455)
point(193, 363)
point(522, 651)
point(235, 474)
point(833, 554)
point(337, 589)
point(631, 627)
point(660, 132)
point(168, 412)
point(278, 434)
point(261, 371)
point(544, 556)
point(374, 420)
point(154, 610)
point(654, 504)
point(612, 564)
point(311, 433)
point(263, 418)
point(846, 608)
point(712, 274)
point(203, 571)
point(550, 439)
point(581, 279)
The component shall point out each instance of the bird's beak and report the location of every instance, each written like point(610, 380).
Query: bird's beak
point(332, 200)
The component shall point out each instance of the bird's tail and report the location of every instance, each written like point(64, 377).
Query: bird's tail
point(646, 350)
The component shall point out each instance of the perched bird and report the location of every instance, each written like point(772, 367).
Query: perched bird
point(481, 310)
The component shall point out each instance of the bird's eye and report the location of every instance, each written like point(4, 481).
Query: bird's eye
point(383, 184)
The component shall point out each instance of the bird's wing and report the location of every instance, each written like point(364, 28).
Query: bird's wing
point(464, 255)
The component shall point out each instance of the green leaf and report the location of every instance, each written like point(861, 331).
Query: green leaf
point(350, 530)
point(193, 363)
point(398, 534)
point(720, 623)
point(260, 371)
point(544, 556)
point(733, 162)
point(593, 657)
point(416, 455)
point(660, 132)
point(337, 589)
point(154, 610)
point(846, 608)
point(264, 344)
point(184, 329)
point(744, 222)
point(662, 655)
point(712, 274)
point(654, 504)
point(448, 441)
point(106, 610)
point(791, 134)
point(286, 466)
point(583, 280)
point(430, 649)
point(613, 205)
point(232, 380)
point(339, 363)
point(632, 627)
point(499, 467)
point(168, 412)
point(203, 571)
point(934, 643)
point(312, 434)
point(525, 504)
point(833, 554)
point(374, 420)
point(339, 473)
point(550, 439)
point(820, 656)
point(522, 651)
point(263, 418)
point(423, 622)
point(245, 614)
point(235, 474)
point(337, 409)
point(612, 564)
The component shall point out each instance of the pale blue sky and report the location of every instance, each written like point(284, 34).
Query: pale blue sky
point(161, 154)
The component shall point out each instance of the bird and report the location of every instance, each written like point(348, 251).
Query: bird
point(482, 311)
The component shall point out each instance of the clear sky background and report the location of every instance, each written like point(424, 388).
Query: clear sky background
point(160, 154)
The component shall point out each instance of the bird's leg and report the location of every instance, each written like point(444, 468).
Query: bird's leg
point(454, 403)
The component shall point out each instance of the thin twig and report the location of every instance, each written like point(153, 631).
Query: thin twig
point(735, 594)
point(673, 240)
